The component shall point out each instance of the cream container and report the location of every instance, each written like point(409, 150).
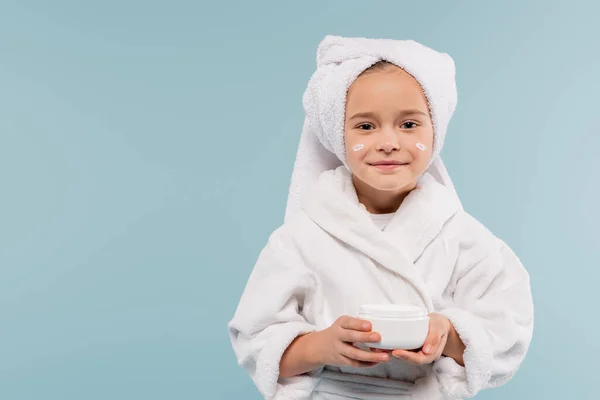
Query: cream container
point(400, 326)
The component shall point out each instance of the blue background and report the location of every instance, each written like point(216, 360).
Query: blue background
point(146, 149)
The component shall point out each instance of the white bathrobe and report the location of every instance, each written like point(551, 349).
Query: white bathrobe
point(330, 258)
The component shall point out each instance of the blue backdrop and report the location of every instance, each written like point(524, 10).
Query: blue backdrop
point(146, 149)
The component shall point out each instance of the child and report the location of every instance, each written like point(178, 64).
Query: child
point(373, 217)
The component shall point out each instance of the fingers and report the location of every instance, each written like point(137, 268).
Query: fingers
point(357, 354)
point(350, 336)
point(376, 350)
point(429, 352)
point(358, 364)
point(433, 340)
point(356, 330)
point(418, 358)
point(354, 324)
point(424, 355)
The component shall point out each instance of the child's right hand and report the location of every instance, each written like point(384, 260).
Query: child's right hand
point(334, 345)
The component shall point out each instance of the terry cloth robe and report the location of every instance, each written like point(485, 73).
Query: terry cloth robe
point(331, 258)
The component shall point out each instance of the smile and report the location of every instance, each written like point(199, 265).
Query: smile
point(388, 165)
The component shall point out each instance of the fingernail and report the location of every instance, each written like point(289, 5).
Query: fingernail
point(427, 349)
point(373, 337)
point(365, 326)
point(383, 357)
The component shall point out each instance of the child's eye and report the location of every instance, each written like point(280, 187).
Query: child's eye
point(365, 127)
point(409, 125)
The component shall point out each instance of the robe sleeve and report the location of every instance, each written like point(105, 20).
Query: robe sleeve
point(274, 309)
point(492, 312)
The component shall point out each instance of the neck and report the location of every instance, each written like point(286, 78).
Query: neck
point(381, 201)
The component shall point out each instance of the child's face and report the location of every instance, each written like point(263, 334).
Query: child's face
point(387, 119)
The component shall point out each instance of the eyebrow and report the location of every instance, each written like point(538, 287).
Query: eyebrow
point(372, 115)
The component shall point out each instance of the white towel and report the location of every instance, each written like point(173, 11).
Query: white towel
point(340, 61)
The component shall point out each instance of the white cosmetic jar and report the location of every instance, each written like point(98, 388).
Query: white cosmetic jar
point(400, 326)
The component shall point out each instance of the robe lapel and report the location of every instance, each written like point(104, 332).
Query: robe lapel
point(332, 204)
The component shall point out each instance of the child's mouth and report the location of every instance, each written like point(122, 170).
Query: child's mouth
point(388, 165)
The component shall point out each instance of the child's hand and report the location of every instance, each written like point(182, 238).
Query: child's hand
point(439, 328)
point(334, 344)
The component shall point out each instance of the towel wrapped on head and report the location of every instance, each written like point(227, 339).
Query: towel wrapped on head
point(340, 61)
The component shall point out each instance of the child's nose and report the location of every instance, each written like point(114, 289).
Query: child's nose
point(388, 144)
point(388, 140)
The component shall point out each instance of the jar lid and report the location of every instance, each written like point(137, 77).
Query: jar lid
point(393, 311)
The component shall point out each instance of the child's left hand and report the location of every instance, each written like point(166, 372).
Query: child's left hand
point(439, 328)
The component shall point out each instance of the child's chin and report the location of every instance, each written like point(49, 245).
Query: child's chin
point(389, 187)
point(388, 183)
